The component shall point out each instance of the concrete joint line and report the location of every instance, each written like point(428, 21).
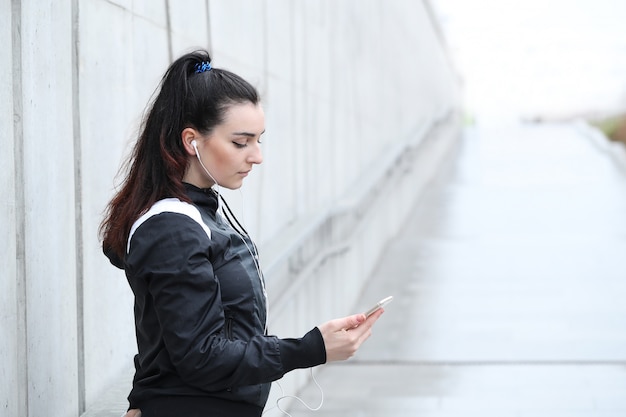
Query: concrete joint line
point(78, 207)
point(512, 362)
point(20, 218)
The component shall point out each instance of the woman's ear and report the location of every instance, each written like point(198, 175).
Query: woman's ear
point(190, 138)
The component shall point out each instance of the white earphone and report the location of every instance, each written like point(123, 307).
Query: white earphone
point(195, 147)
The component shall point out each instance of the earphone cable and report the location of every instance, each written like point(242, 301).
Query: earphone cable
point(253, 253)
point(294, 397)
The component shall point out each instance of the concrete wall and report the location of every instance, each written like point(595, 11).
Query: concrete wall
point(360, 106)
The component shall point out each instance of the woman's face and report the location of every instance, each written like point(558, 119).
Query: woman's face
point(230, 151)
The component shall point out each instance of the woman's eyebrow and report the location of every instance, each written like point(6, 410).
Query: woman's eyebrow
point(247, 134)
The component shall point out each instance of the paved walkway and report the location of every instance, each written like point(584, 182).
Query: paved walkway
point(510, 290)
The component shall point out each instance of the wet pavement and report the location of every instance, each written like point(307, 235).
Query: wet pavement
point(510, 289)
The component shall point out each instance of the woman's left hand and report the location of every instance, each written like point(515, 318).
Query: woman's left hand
point(342, 337)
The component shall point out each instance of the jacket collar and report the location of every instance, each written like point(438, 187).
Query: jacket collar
point(205, 198)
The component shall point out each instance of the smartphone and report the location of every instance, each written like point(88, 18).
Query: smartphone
point(379, 305)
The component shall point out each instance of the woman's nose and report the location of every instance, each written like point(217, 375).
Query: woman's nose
point(256, 156)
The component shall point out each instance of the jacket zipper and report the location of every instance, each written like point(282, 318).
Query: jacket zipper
point(229, 336)
point(229, 328)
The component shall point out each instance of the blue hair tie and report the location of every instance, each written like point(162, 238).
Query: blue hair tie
point(203, 66)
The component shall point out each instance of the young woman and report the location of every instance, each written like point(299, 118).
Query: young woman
point(200, 301)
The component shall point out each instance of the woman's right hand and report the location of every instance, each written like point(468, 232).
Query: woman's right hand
point(134, 412)
point(343, 337)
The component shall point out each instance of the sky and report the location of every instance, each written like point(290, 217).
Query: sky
point(549, 59)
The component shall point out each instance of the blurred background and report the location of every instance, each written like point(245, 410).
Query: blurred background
point(463, 156)
point(539, 61)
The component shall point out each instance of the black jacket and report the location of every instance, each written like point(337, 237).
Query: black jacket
point(200, 316)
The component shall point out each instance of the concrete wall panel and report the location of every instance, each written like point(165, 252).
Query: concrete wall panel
point(50, 250)
point(117, 77)
point(189, 25)
point(106, 89)
point(154, 11)
point(238, 41)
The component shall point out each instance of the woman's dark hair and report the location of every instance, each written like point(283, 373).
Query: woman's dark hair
point(192, 94)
